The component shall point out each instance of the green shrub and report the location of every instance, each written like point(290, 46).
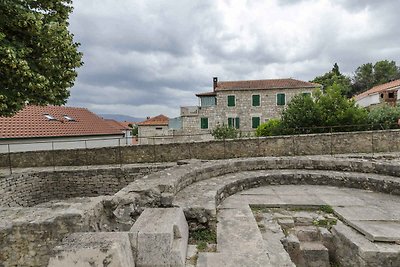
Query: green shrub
point(271, 127)
point(384, 117)
point(224, 132)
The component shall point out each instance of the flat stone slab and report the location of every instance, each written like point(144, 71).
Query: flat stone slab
point(384, 231)
point(228, 259)
point(94, 249)
point(160, 237)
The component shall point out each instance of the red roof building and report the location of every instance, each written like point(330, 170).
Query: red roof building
point(386, 93)
point(161, 120)
point(55, 121)
point(59, 127)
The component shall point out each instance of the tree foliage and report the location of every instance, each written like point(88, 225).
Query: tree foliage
point(224, 132)
point(302, 113)
point(327, 109)
point(269, 128)
point(335, 77)
point(384, 117)
point(38, 57)
point(369, 75)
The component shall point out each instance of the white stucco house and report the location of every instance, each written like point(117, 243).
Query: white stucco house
point(381, 94)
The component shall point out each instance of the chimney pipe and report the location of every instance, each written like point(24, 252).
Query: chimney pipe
point(215, 81)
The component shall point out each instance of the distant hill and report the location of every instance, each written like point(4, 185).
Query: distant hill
point(119, 117)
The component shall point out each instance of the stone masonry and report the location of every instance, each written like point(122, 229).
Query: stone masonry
point(28, 234)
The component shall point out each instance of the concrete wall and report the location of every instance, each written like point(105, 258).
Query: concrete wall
point(313, 144)
point(38, 144)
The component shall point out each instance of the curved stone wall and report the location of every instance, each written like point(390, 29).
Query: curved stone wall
point(113, 213)
point(30, 189)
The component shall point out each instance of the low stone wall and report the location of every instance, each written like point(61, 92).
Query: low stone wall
point(313, 144)
point(30, 189)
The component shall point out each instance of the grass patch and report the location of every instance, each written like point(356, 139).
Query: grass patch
point(202, 246)
point(204, 235)
point(326, 208)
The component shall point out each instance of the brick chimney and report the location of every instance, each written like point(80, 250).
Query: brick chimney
point(215, 81)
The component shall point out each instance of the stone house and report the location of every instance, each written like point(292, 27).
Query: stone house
point(59, 127)
point(154, 130)
point(241, 104)
point(380, 94)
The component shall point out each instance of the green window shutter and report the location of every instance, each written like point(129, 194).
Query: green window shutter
point(237, 123)
point(204, 123)
point(230, 122)
point(280, 99)
point(231, 100)
point(256, 100)
point(255, 122)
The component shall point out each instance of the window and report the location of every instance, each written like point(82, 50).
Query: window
point(255, 100)
point(49, 117)
point(280, 99)
point(204, 123)
point(231, 101)
point(306, 94)
point(234, 122)
point(68, 118)
point(158, 128)
point(255, 122)
point(391, 95)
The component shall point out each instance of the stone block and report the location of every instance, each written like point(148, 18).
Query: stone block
point(160, 237)
point(292, 245)
point(314, 254)
point(307, 233)
point(94, 249)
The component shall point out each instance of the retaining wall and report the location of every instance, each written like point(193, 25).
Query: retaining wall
point(312, 144)
point(30, 189)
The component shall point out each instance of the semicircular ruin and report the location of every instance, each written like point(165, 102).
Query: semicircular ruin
point(44, 226)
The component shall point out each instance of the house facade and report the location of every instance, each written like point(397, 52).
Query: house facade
point(241, 104)
point(58, 127)
point(154, 130)
point(381, 94)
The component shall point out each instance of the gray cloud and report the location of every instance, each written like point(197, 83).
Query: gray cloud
point(148, 57)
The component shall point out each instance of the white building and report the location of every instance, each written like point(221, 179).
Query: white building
point(58, 127)
point(380, 94)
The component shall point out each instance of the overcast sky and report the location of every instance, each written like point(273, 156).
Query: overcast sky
point(147, 57)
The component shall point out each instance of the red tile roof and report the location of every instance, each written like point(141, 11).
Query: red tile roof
point(379, 88)
point(265, 84)
point(155, 121)
point(118, 125)
point(127, 123)
point(31, 122)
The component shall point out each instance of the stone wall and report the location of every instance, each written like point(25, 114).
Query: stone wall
point(245, 111)
point(313, 144)
point(30, 189)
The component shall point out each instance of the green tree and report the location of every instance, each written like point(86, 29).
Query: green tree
point(224, 132)
point(385, 71)
point(337, 110)
point(369, 75)
point(384, 117)
point(305, 114)
point(363, 78)
point(334, 76)
point(38, 57)
point(301, 115)
point(269, 128)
